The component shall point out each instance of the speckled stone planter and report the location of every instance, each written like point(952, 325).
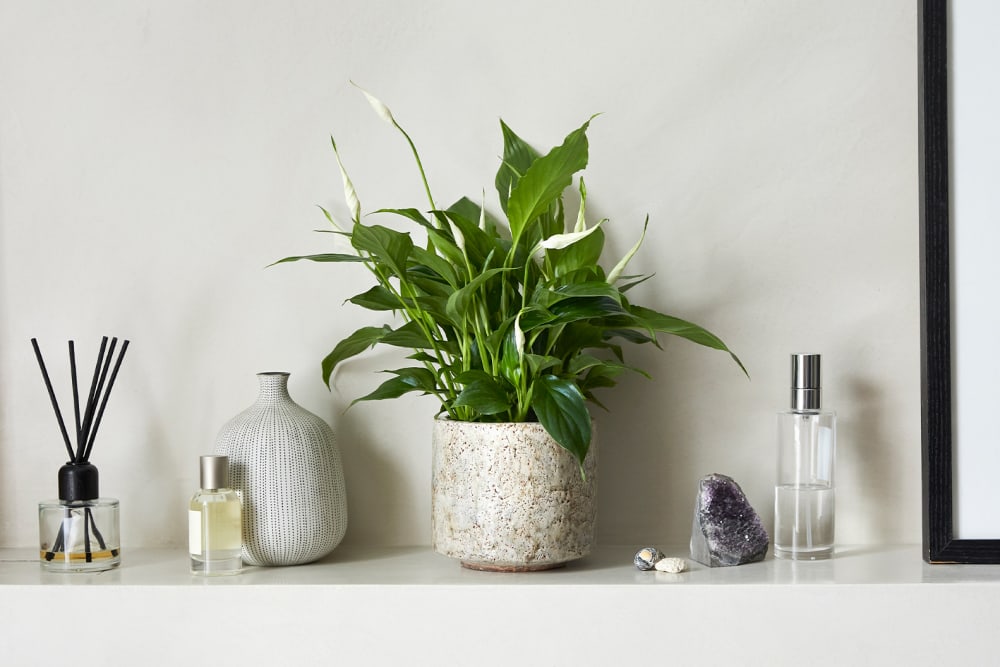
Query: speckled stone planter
point(507, 498)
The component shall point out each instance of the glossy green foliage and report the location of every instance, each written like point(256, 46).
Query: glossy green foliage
point(512, 321)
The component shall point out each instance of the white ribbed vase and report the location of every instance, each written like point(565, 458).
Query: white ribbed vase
point(506, 497)
point(285, 462)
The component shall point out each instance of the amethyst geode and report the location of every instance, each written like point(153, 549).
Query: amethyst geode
point(726, 529)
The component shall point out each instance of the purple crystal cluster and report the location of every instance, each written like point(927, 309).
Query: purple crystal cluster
point(726, 529)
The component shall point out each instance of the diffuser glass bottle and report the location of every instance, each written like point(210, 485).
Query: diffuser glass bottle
point(804, 494)
point(215, 523)
point(78, 531)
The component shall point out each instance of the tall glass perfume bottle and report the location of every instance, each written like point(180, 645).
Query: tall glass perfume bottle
point(804, 494)
point(215, 523)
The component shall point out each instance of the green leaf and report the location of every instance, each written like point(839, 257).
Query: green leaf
point(517, 158)
point(390, 247)
point(478, 246)
point(411, 213)
point(460, 302)
point(633, 336)
point(632, 281)
point(327, 257)
point(423, 357)
point(545, 180)
point(377, 298)
point(581, 217)
point(391, 388)
point(470, 376)
point(485, 396)
point(495, 340)
point(470, 210)
point(537, 363)
point(562, 410)
point(600, 377)
point(409, 335)
point(534, 317)
point(585, 253)
point(355, 344)
point(587, 289)
point(582, 362)
point(428, 283)
point(509, 356)
point(552, 221)
point(418, 377)
point(678, 327)
point(437, 307)
point(623, 262)
point(445, 243)
point(329, 217)
point(572, 310)
point(425, 261)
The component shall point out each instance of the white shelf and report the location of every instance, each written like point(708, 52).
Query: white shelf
point(866, 605)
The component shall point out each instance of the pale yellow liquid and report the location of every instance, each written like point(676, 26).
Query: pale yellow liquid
point(216, 532)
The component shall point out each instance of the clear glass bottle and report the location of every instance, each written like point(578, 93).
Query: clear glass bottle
point(79, 536)
point(804, 494)
point(215, 522)
point(78, 532)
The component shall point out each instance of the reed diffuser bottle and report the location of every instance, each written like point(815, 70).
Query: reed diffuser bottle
point(804, 494)
point(215, 521)
point(79, 531)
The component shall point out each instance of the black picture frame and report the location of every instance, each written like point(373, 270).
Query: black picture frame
point(939, 542)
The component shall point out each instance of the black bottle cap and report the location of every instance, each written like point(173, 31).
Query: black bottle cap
point(78, 481)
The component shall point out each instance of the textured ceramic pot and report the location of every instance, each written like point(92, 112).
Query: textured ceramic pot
point(506, 497)
point(285, 463)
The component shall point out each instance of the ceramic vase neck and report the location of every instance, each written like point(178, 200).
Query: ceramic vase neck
point(273, 387)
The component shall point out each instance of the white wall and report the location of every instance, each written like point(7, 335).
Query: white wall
point(156, 156)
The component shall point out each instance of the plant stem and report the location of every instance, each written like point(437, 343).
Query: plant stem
point(420, 165)
point(419, 319)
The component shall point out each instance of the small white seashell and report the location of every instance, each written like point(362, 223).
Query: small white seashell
point(671, 565)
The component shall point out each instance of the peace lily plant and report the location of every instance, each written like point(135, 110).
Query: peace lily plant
point(508, 322)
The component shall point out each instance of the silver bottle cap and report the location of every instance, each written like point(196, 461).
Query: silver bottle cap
point(215, 471)
point(806, 388)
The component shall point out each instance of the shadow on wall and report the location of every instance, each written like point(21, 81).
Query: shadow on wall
point(660, 438)
point(861, 443)
point(645, 467)
point(7, 479)
point(153, 454)
point(376, 487)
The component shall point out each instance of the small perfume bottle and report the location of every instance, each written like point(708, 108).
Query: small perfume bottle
point(804, 494)
point(215, 524)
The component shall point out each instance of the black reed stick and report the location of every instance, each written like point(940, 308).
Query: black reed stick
point(76, 392)
point(52, 397)
point(89, 422)
point(97, 399)
point(95, 390)
point(107, 393)
point(87, 517)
